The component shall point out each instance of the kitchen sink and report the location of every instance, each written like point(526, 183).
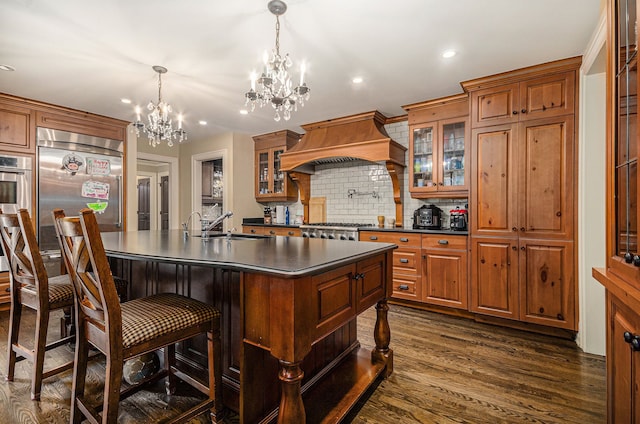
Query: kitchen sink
point(234, 236)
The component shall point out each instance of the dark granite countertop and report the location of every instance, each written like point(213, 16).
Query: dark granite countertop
point(281, 256)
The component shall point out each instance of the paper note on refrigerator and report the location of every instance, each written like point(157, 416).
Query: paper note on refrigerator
point(95, 190)
point(97, 166)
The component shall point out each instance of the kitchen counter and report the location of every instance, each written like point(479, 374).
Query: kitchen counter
point(289, 308)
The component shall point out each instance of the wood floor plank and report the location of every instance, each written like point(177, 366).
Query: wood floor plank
point(446, 370)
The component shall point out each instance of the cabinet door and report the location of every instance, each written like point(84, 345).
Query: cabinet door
point(453, 175)
point(547, 286)
point(446, 277)
point(553, 95)
point(494, 277)
point(263, 171)
point(495, 105)
point(546, 178)
point(16, 129)
point(493, 192)
point(279, 177)
point(423, 157)
point(623, 363)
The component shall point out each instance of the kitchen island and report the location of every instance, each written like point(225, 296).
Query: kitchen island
point(289, 308)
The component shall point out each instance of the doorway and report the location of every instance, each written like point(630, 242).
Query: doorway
point(144, 203)
point(208, 171)
point(161, 210)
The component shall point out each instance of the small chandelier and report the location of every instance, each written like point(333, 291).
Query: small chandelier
point(160, 127)
point(274, 85)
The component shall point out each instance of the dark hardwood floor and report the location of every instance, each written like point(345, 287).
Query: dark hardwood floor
point(446, 370)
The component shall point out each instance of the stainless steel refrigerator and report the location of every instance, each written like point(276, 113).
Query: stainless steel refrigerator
point(77, 171)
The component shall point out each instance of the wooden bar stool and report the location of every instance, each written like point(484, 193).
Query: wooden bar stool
point(123, 331)
point(31, 287)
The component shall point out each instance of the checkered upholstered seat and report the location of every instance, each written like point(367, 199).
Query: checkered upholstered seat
point(125, 330)
point(155, 316)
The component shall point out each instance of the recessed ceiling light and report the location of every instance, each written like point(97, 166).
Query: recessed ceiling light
point(126, 101)
point(357, 80)
point(7, 68)
point(448, 53)
point(244, 112)
point(202, 122)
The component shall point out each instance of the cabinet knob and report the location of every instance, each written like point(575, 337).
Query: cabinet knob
point(635, 343)
point(290, 233)
point(515, 112)
point(253, 231)
point(522, 229)
point(272, 232)
point(440, 183)
point(514, 248)
point(636, 260)
point(522, 248)
point(628, 337)
point(524, 111)
point(403, 287)
point(514, 229)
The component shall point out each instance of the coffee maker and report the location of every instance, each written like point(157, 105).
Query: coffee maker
point(427, 217)
point(458, 219)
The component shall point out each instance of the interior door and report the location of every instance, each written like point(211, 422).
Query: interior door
point(144, 204)
point(164, 202)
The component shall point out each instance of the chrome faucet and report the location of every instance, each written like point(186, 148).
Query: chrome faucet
point(215, 222)
point(185, 225)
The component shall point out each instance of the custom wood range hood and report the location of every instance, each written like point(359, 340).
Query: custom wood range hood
point(354, 137)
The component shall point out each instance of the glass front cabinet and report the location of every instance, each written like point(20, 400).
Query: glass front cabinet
point(438, 149)
point(272, 184)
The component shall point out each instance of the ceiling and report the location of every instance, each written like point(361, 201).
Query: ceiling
point(88, 55)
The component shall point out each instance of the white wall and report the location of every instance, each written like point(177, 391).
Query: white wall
point(592, 193)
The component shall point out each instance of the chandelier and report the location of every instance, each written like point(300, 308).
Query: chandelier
point(274, 85)
point(160, 127)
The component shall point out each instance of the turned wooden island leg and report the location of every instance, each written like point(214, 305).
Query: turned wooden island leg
point(382, 337)
point(291, 405)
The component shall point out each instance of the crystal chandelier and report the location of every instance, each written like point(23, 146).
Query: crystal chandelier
point(274, 85)
point(160, 127)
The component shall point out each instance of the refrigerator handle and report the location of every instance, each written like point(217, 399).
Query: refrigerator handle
point(119, 223)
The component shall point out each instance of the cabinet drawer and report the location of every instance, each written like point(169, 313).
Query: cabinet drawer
point(401, 239)
point(253, 230)
point(444, 241)
point(278, 231)
point(5, 295)
point(407, 287)
point(406, 260)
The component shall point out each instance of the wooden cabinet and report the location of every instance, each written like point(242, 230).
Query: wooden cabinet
point(438, 147)
point(17, 128)
point(272, 184)
point(407, 263)
point(272, 230)
point(623, 362)
point(445, 270)
point(621, 275)
point(523, 197)
point(546, 96)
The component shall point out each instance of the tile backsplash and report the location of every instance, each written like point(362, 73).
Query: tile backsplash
point(359, 191)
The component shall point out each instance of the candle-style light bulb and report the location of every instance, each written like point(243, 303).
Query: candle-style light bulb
point(138, 112)
point(180, 121)
point(302, 69)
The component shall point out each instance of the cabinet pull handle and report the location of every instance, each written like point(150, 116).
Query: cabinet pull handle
point(443, 241)
point(404, 261)
point(403, 287)
point(373, 237)
point(634, 341)
point(404, 239)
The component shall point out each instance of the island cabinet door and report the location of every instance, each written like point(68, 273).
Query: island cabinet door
point(370, 282)
point(334, 298)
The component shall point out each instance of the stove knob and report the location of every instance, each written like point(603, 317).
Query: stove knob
point(312, 235)
point(332, 236)
point(323, 235)
point(305, 234)
point(343, 237)
point(352, 238)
